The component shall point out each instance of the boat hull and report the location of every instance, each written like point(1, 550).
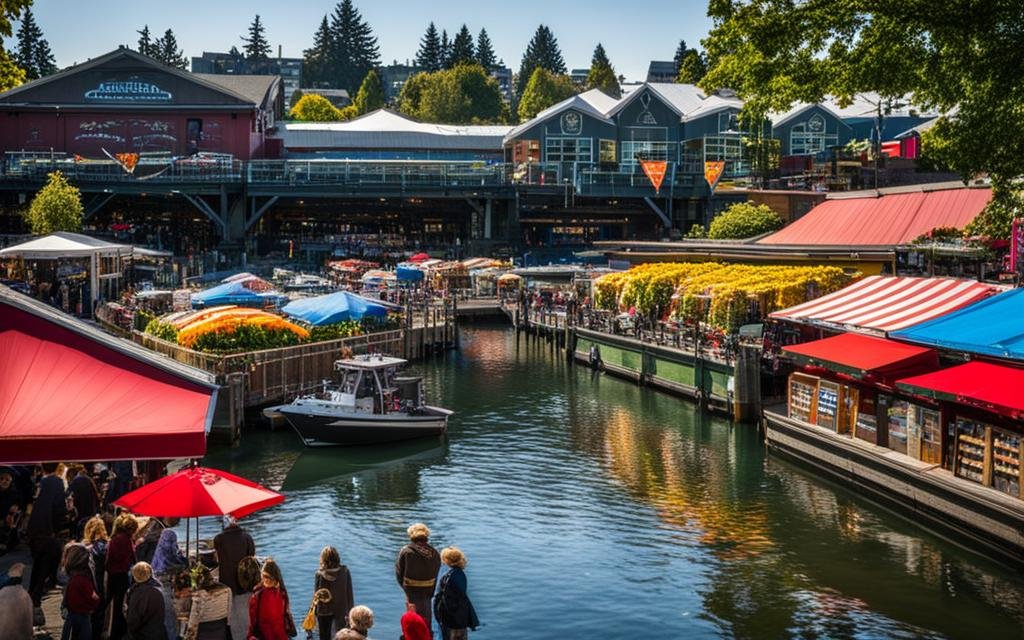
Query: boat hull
point(348, 429)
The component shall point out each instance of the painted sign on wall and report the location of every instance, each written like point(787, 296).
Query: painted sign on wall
point(131, 90)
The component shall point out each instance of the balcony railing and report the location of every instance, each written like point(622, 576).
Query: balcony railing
point(29, 166)
point(389, 174)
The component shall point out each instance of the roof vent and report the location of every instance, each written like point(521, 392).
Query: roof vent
point(724, 93)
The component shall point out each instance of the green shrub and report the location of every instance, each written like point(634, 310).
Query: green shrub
point(161, 330)
point(744, 220)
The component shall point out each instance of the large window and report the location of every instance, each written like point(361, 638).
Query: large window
point(607, 152)
point(558, 149)
point(810, 137)
point(644, 143)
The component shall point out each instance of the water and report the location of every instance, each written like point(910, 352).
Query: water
point(591, 508)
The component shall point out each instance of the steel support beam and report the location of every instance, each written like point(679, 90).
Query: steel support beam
point(207, 210)
point(96, 203)
point(256, 214)
point(661, 214)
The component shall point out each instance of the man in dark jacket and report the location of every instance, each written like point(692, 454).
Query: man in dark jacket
point(85, 497)
point(144, 606)
point(232, 544)
point(49, 510)
point(416, 570)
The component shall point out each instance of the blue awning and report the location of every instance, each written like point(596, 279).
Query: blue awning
point(335, 307)
point(409, 274)
point(235, 293)
point(992, 327)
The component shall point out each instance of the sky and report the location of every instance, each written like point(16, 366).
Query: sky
point(633, 33)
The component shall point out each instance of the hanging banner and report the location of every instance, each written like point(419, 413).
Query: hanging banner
point(713, 172)
point(655, 170)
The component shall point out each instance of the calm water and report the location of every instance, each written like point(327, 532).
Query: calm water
point(591, 508)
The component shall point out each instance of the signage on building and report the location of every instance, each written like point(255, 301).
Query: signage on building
point(572, 123)
point(646, 117)
point(713, 171)
point(655, 170)
point(131, 90)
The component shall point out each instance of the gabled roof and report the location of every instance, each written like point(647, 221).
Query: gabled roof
point(919, 129)
point(781, 118)
point(713, 104)
point(63, 244)
point(595, 103)
point(254, 88)
point(680, 98)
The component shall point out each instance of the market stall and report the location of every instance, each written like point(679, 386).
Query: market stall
point(991, 327)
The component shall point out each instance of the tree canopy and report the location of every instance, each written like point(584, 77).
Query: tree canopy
point(145, 42)
point(315, 108)
point(463, 50)
point(602, 74)
point(744, 220)
point(370, 96)
point(465, 94)
point(57, 207)
point(691, 64)
point(165, 49)
point(11, 75)
point(543, 90)
point(256, 45)
point(542, 52)
point(485, 56)
point(428, 57)
point(344, 50)
point(34, 54)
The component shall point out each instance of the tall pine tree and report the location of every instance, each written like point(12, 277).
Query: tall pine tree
point(166, 51)
point(354, 50)
point(541, 53)
point(602, 74)
point(681, 51)
point(145, 42)
point(256, 45)
point(462, 48)
point(446, 49)
point(315, 61)
point(485, 51)
point(33, 55)
point(428, 57)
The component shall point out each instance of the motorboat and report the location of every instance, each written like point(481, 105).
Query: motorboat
point(370, 404)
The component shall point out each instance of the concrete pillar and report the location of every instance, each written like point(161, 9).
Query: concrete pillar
point(746, 399)
point(487, 219)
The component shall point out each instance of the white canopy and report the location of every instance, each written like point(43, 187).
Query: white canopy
point(63, 244)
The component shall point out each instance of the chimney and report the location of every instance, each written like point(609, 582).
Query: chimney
point(278, 52)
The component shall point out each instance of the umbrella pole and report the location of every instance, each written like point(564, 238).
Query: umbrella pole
point(188, 530)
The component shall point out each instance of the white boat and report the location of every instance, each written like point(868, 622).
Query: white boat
point(371, 404)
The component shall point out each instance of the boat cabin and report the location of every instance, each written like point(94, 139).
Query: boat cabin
point(371, 384)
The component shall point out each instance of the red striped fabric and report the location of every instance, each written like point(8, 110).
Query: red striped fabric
point(887, 303)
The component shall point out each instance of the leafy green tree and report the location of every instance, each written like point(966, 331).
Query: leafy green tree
point(316, 59)
point(428, 57)
point(353, 51)
point(370, 96)
point(485, 51)
point(744, 220)
point(256, 45)
point(57, 207)
point(146, 42)
point(463, 51)
point(692, 68)
point(995, 222)
point(34, 55)
point(543, 90)
point(602, 74)
point(411, 95)
point(465, 94)
point(166, 51)
point(11, 75)
point(315, 108)
point(542, 52)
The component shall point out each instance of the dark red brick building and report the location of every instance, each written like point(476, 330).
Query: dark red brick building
point(127, 102)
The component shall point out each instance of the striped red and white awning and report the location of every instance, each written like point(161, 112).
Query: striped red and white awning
point(887, 303)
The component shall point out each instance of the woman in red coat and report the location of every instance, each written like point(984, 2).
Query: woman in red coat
point(269, 605)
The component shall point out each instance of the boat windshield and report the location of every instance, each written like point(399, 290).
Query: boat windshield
point(350, 381)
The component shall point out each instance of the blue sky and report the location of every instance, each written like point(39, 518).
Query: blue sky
point(632, 32)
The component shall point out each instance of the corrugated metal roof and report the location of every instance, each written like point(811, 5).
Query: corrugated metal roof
point(889, 220)
point(594, 103)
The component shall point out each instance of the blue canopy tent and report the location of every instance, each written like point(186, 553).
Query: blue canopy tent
point(409, 274)
point(335, 307)
point(992, 327)
point(236, 293)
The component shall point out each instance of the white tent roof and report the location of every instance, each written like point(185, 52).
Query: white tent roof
point(63, 244)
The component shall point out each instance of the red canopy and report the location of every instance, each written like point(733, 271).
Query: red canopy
point(419, 257)
point(865, 356)
point(70, 392)
point(197, 491)
point(991, 387)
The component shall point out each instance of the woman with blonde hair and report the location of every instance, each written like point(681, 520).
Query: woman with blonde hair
point(120, 558)
point(95, 539)
point(334, 577)
point(360, 620)
point(452, 606)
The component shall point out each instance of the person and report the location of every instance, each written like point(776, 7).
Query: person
point(49, 510)
point(336, 579)
point(248, 576)
point(416, 569)
point(80, 597)
point(231, 545)
point(414, 627)
point(95, 540)
point(269, 605)
point(144, 606)
point(211, 606)
point(360, 620)
point(84, 496)
point(10, 510)
point(16, 605)
point(454, 611)
point(120, 559)
point(168, 560)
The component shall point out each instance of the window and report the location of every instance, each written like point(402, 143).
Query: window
point(728, 122)
point(810, 137)
point(645, 143)
point(607, 152)
point(557, 149)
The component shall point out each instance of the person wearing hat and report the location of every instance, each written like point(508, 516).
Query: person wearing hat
point(16, 605)
point(416, 569)
point(144, 606)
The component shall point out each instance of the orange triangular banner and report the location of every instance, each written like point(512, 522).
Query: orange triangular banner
point(655, 170)
point(713, 172)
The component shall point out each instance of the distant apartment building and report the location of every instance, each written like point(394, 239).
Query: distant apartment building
point(394, 77)
point(662, 71)
point(579, 76)
point(503, 75)
point(338, 97)
point(234, 63)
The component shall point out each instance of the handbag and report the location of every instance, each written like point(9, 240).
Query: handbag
point(309, 622)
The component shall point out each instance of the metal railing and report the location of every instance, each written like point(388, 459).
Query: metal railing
point(31, 166)
point(394, 174)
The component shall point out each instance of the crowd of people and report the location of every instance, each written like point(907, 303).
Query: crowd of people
point(124, 576)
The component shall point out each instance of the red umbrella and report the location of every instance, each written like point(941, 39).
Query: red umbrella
point(419, 257)
point(198, 491)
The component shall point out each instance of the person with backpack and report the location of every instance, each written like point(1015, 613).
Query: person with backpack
point(333, 576)
point(452, 606)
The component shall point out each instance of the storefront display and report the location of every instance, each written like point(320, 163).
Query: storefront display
point(802, 390)
point(928, 432)
point(866, 426)
point(1006, 461)
point(828, 404)
point(898, 412)
point(970, 450)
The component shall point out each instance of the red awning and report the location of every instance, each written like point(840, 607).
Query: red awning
point(987, 386)
point(865, 356)
point(886, 303)
point(69, 392)
point(889, 220)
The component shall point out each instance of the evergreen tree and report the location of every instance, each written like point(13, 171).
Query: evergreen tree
point(316, 59)
point(541, 53)
point(256, 45)
point(46, 64)
point(543, 90)
point(602, 74)
point(692, 68)
point(370, 96)
point(33, 55)
point(485, 51)
point(428, 57)
point(446, 49)
point(166, 51)
point(354, 51)
point(462, 48)
point(145, 42)
point(681, 52)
